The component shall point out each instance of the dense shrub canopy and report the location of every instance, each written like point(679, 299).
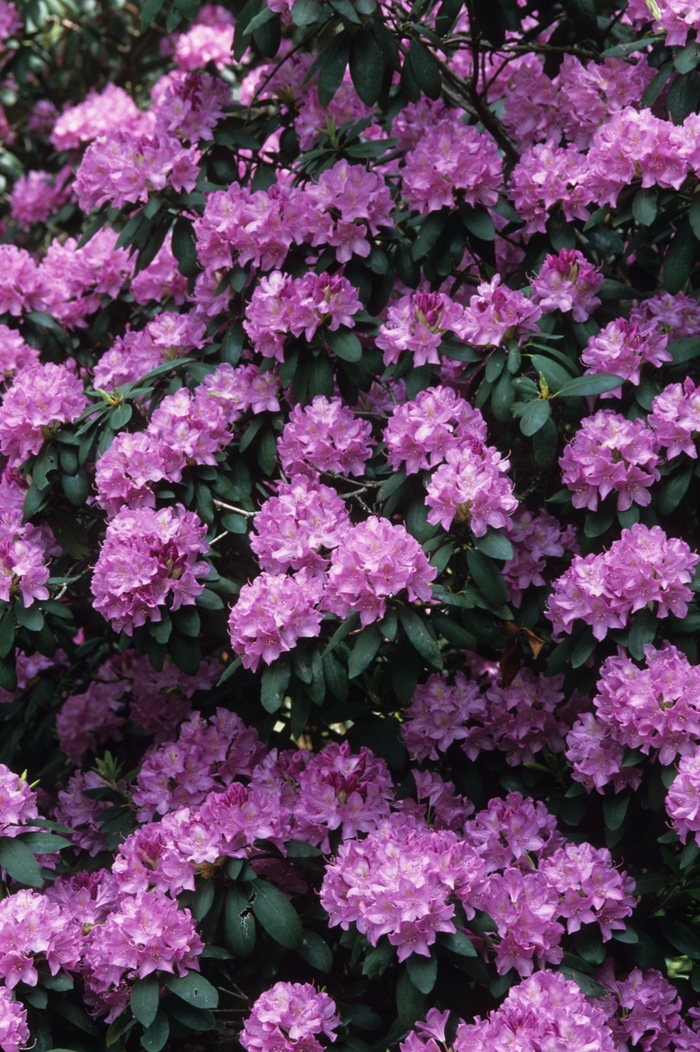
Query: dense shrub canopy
point(348, 525)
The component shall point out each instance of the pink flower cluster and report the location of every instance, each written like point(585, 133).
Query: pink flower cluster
point(38, 195)
point(282, 305)
point(533, 537)
point(675, 418)
point(609, 454)
point(272, 614)
point(645, 1010)
point(683, 798)
point(290, 1017)
point(293, 527)
point(148, 558)
point(376, 560)
point(644, 566)
point(323, 437)
point(169, 335)
point(420, 433)
point(23, 550)
point(623, 347)
point(17, 803)
point(653, 708)
point(417, 324)
point(496, 314)
point(41, 398)
point(98, 115)
point(15, 354)
point(567, 282)
point(87, 720)
point(14, 1032)
point(470, 488)
point(452, 161)
point(34, 929)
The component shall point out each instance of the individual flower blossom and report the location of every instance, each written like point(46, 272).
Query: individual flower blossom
point(37, 196)
point(513, 832)
point(567, 282)
point(397, 882)
point(646, 1011)
point(282, 305)
point(272, 614)
point(644, 566)
point(124, 168)
point(34, 929)
point(470, 488)
point(80, 813)
point(496, 314)
point(452, 162)
point(545, 1011)
point(41, 398)
point(417, 324)
point(17, 803)
point(609, 454)
point(591, 889)
point(292, 527)
point(125, 472)
point(341, 790)
point(203, 44)
point(290, 1017)
point(99, 114)
point(420, 433)
point(322, 437)
point(88, 898)
point(623, 347)
point(533, 537)
point(438, 714)
point(361, 200)
point(524, 717)
point(375, 561)
point(14, 1032)
point(206, 756)
point(675, 418)
point(148, 933)
point(160, 280)
point(89, 719)
point(148, 558)
point(15, 354)
point(549, 177)
point(683, 798)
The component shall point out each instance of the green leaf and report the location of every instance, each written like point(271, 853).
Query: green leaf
point(150, 12)
point(425, 69)
point(194, 989)
point(7, 633)
point(344, 629)
point(683, 97)
point(494, 544)
point(589, 385)
point(684, 350)
point(366, 646)
point(30, 617)
point(45, 463)
point(423, 972)
point(184, 247)
point(535, 416)
point(458, 943)
point(583, 648)
point(345, 344)
point(683, 939)
point(430, 230)
point(156, 1035)
point(421, 637)
point(277, 915)
point(145, 995)
point(203, 899)
point(643, 631)
point(674, 489)
point(645, 206)
point(305, 12)
point(679, 259)
point(316, 951)
point(410, 1002)
point(274, 682)
point(76, 487)
point(334, 61)
point(487, 578)
point(478, 222)
point(453, 632)
point(366, 65)
point(75, 1015)
point(20, 863)
point(120, 416)
point(185, 652)
point(687, 58)
point(615, 809)
point(694, 215)
point(199, 1019)
point(44, 843)
point(239, 923)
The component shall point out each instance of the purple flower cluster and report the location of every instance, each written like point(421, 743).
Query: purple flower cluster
point(624, 346)
point(609, 454)
point(533, 537)
point(290, 1017)
point(675, 418)
point(282, 305)
point(41, 398)
point(452, 161)
point(148, 558)
point(567, 282)
point(470, 488)
point(272, 614)
point(496, 314)
point(417, 324)
point(293, 527)
point(322, 437)
point(420, 433)
point(644, 566)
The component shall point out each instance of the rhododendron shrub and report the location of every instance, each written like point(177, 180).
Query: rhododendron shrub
point(349, 534)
